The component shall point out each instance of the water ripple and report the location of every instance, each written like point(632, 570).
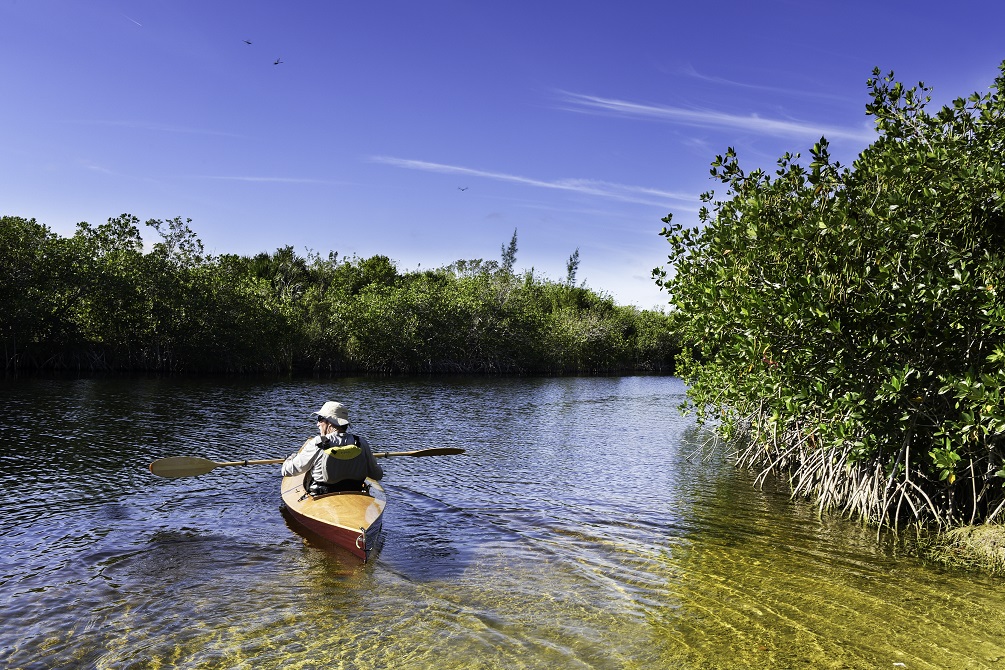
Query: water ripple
point(577, 531)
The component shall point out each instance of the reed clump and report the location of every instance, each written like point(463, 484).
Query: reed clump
point(979, 547)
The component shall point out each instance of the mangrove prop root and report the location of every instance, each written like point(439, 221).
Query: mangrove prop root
point(871, 490)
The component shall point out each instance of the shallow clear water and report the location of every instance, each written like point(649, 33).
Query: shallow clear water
point(582, 529)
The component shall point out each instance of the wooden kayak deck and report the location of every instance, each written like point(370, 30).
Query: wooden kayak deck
point(349, 519)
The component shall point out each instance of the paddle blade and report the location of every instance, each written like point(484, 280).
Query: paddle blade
point(438, 451)
point(435, 451)
point(181, 466)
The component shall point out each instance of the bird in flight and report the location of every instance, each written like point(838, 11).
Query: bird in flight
point(277, 62)
point(247, 41)
point(462, 188)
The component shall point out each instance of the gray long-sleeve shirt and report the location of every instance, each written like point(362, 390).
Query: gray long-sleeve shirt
point(331, 470)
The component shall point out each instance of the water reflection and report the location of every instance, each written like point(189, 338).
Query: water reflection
point(582, 528)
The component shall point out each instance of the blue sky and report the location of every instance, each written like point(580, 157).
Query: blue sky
point(578, 124)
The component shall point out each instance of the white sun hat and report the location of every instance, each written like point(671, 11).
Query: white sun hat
point(334, 412)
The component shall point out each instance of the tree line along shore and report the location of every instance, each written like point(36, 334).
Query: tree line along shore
point(102, 300)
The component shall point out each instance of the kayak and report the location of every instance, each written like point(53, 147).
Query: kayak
point(350, 519)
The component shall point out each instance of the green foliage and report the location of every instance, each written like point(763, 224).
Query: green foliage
point(571, 267)
point(97, 301)
point(32, 265)
point(113, 307)
point(179, 244)
point(509, 255)
point(859, 312)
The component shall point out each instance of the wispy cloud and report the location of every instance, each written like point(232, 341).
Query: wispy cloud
point(94, 167)
point(156, 127)
point(272, 180)
point(690, 71)
point(91, 166)
point(712, 119)
point(637, 194)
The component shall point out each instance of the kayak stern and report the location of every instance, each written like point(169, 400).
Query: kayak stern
point(350, 519)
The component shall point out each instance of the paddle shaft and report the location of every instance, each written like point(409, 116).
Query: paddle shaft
point(267, 461)
point(187, 466)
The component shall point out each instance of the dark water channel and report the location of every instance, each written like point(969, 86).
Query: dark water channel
point(576, 532)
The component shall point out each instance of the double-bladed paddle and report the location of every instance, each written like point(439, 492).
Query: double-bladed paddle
point(188, 466)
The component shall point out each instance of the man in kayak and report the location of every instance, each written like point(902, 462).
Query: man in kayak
point(337, 460)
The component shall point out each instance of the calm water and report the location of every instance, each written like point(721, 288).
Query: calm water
point(578, 531)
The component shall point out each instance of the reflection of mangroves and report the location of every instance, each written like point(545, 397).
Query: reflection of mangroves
point(98, 301)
